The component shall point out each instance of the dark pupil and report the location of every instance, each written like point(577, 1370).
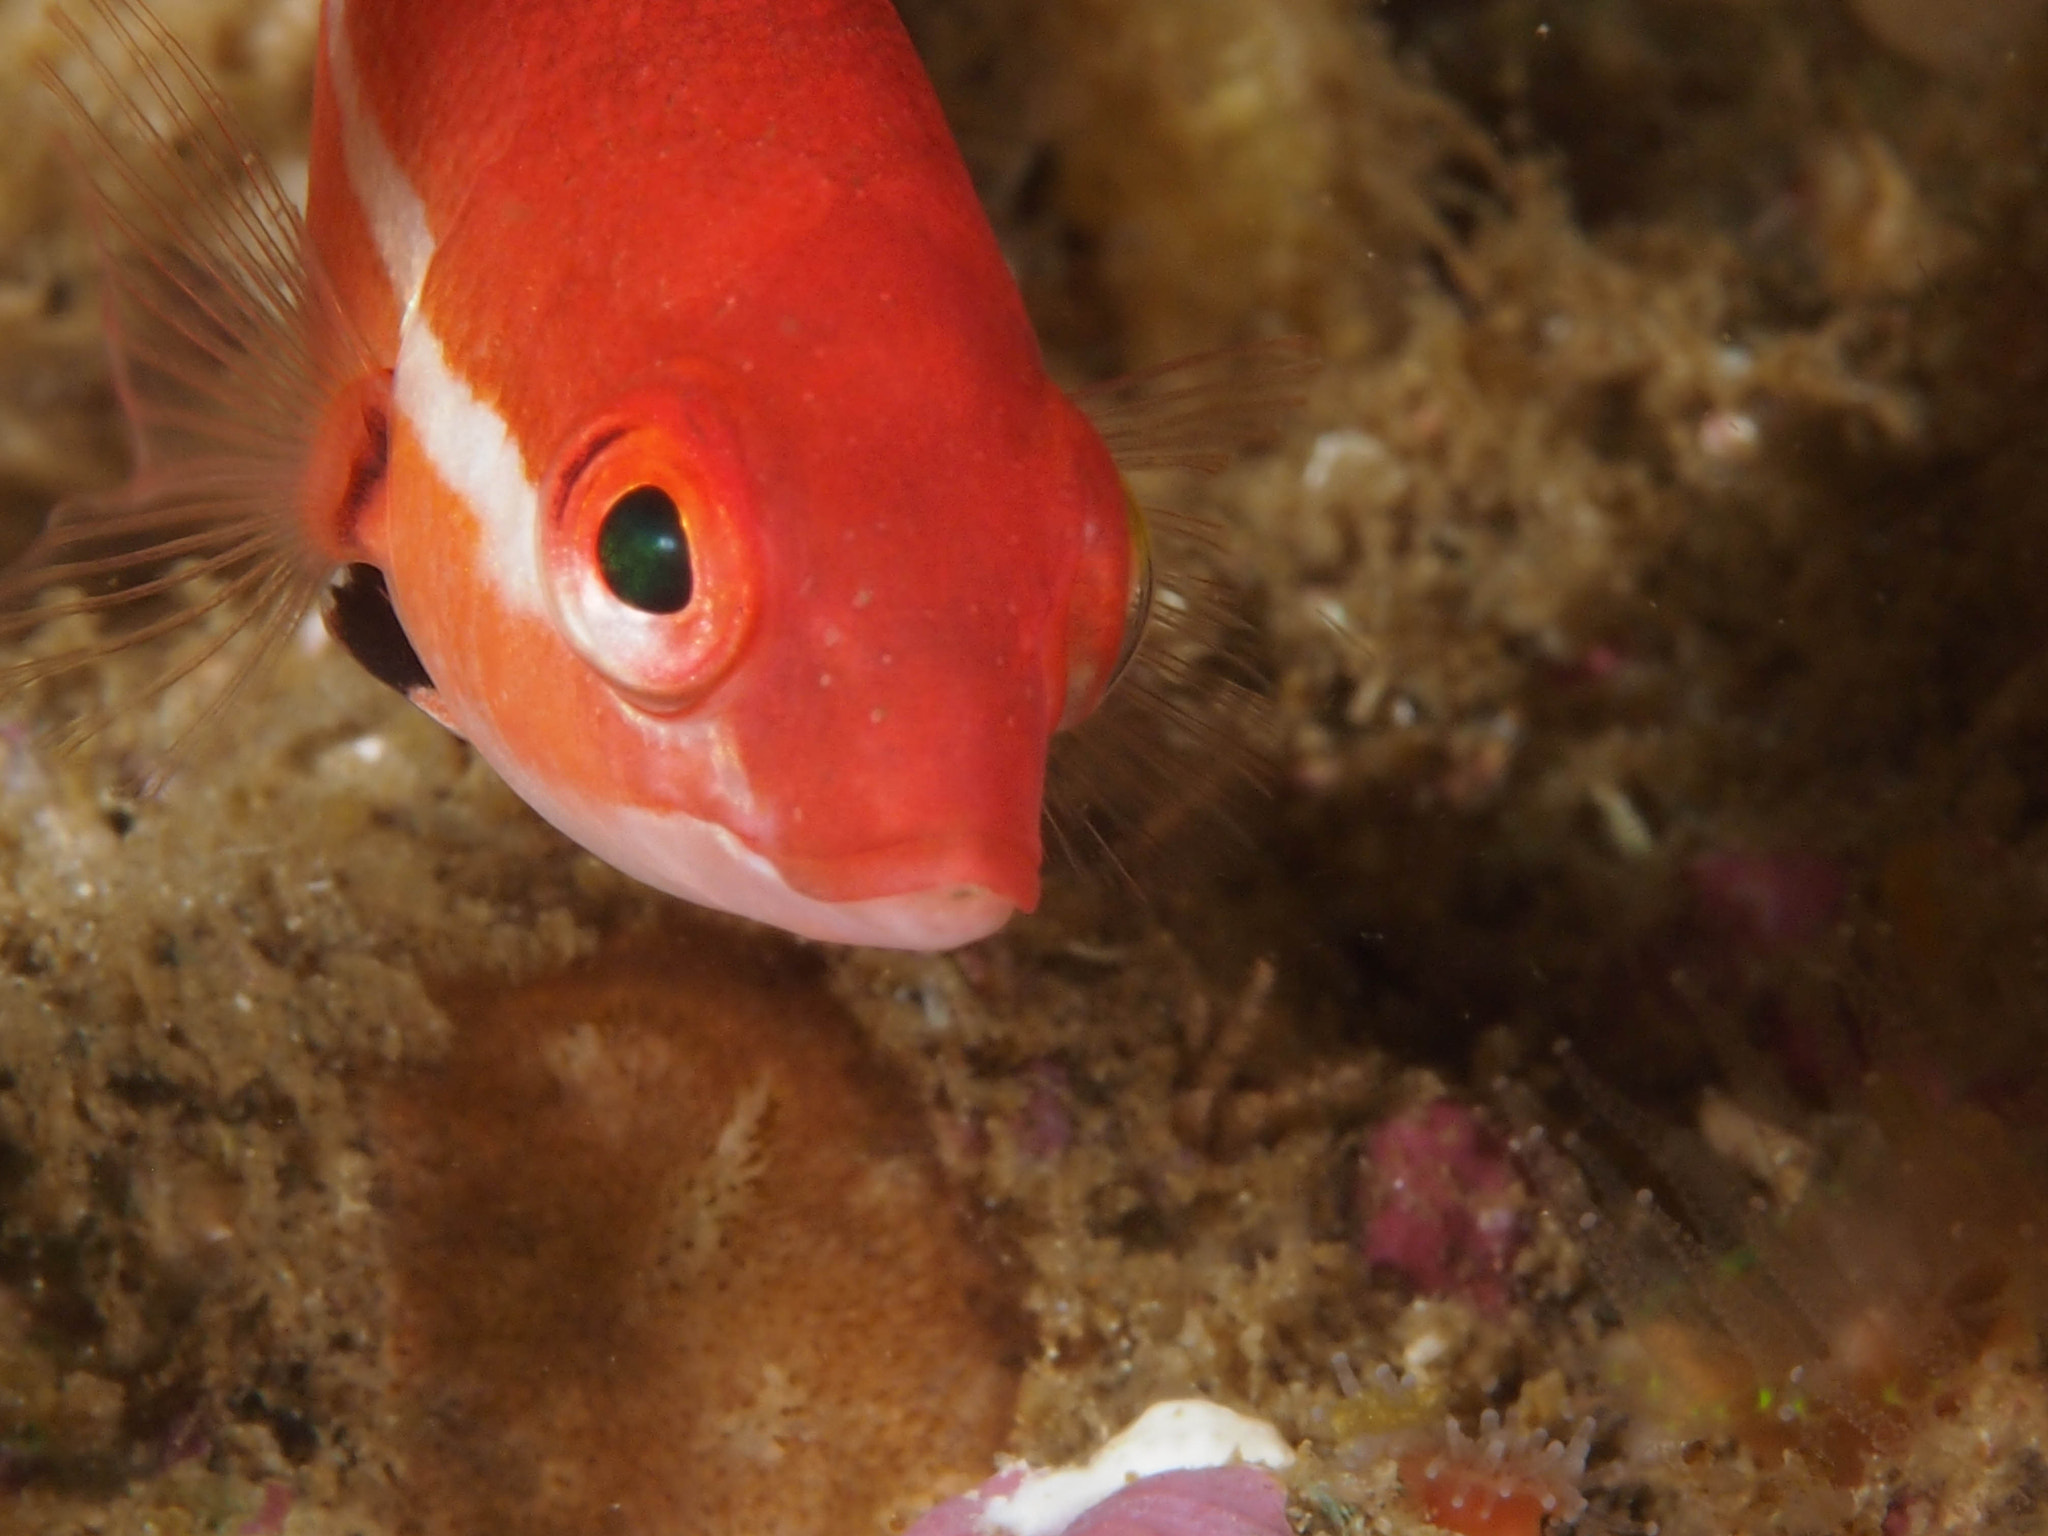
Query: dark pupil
point(642, 553)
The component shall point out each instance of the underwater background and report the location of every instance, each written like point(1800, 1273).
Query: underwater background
point(1588, 1071)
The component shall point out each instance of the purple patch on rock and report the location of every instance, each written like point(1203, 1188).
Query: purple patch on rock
point(1440, 1202)
point(269, 1519)
point(1045, 1126)
point(1770, 900)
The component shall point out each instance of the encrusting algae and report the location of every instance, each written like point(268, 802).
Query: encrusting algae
point(1648, 596)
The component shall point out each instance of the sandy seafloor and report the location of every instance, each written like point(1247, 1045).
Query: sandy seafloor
point(1649, 601)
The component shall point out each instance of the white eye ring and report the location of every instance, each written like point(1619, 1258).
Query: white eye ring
point(689, 566)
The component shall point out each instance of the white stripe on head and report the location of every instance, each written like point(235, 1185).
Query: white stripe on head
point(471, 447)
point(397, 217)
point(465, 440)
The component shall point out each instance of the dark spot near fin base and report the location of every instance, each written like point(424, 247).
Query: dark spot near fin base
point(366, 470)
point(359, 615)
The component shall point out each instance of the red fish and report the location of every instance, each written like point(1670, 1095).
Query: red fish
point(652, 378)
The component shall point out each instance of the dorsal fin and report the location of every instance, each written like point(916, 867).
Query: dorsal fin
point(223, 347)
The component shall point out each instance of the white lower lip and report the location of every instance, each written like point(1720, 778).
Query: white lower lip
point(701, 861)
point(705, 863)
point(708, 865)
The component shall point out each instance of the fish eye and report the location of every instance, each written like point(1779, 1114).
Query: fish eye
point(648, 556)
point(643, 553)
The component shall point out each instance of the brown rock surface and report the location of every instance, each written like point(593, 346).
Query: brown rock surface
point(672, 1253)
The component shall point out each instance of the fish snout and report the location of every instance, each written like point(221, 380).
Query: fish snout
point(930, 920)
point(930, 892)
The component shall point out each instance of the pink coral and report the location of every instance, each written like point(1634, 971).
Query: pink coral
point(1185, 1468)
point(1440, 1202)
point(962, 1516)
point(1214, 1501)
point(1208, 1501)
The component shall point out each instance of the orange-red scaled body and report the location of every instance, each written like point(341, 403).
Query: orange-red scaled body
point(718, 257)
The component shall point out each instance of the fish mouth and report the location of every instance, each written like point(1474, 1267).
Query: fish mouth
point(928, 893)
point(920, 920)
point(917, 898)
point(926, 917)
point(923, 894)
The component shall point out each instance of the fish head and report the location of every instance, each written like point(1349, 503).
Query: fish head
point(795, 662)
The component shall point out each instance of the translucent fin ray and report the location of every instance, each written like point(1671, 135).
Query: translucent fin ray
point(225, 345)
point(1185, 728)
point(1198, 412)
